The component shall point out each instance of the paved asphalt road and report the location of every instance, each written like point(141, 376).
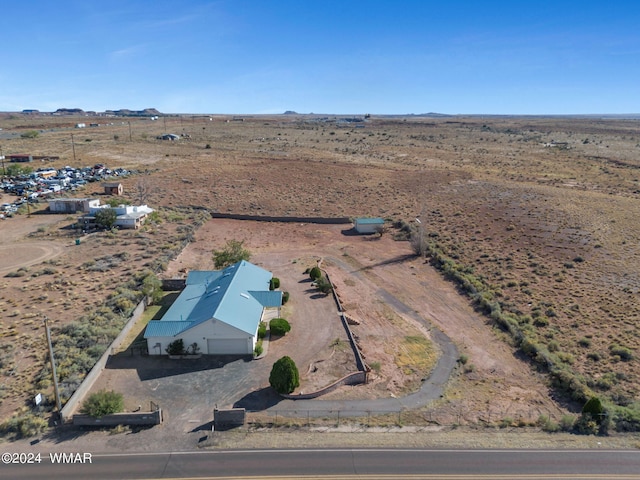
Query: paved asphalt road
point(343, 463)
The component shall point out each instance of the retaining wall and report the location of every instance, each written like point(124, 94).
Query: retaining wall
point(355, 378)
point(94, 373)
point(143, 418)
point(173, 284)
point(356, 351)
point(228, 418)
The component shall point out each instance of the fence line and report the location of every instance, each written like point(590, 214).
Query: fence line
point(264, 218)
point(94, 373)
point(397, 418)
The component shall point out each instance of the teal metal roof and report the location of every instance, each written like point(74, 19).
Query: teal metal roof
point(268, 299)
point(196, 277)
point(157, 328)
point(223, 295)
point(369, 221)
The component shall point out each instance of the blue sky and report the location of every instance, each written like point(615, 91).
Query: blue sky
point(331, 56)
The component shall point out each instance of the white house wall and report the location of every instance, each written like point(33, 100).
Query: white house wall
point(200, 334)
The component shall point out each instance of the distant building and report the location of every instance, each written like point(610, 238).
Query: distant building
point(113, 188)
point(72, 205)
point(368, 225)
point(169, 136)
point(128, 216)
point(20, 158)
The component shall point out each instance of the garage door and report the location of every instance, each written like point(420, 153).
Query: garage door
point(232, 346)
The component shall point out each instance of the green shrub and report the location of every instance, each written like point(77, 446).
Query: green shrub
point(285, 297)
point(324, 285)
point(274, 283)
point(624, 353)
point(584, 342)
point(23, 426)
point(547, 425)
point(30, 134)
point(506, 422)
point(284, 376)
point(315, 273)
point(103, 403)
point(176, 347)
point(279, 326)
point(595, 356)
point(257, 351)
point(627, 419)
point(566, 423)
point(262, 330)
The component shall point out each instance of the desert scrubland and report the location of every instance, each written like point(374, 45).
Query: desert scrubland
point(532, 221)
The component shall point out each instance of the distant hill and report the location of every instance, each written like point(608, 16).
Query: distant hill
point(125, 112)
point(69, 111)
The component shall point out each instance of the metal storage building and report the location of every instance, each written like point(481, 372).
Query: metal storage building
point(368, 225)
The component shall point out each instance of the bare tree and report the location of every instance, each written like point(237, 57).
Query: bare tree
point(144, 190)
point(419, 242)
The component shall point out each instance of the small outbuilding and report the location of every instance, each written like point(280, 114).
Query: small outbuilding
point(113, 188)
point(368, 225)
point(72, 205)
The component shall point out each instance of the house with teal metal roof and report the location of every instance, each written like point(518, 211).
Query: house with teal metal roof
point(219, 310)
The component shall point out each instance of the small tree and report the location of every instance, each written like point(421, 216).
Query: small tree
point(106, 217)
point(593, 407)
point(284, 377)
point(279, 326)
point(152, 287)
point(143, 190)
point(593, 419)
point(233, 252)
point(14, 170)
point(419, 242)
point(274, 283)
point(103, 403)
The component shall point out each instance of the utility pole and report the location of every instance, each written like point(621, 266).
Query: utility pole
point(4, 170)
point(73, 146)
point(53, 366)
point(26, 197)
point(129, 130)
